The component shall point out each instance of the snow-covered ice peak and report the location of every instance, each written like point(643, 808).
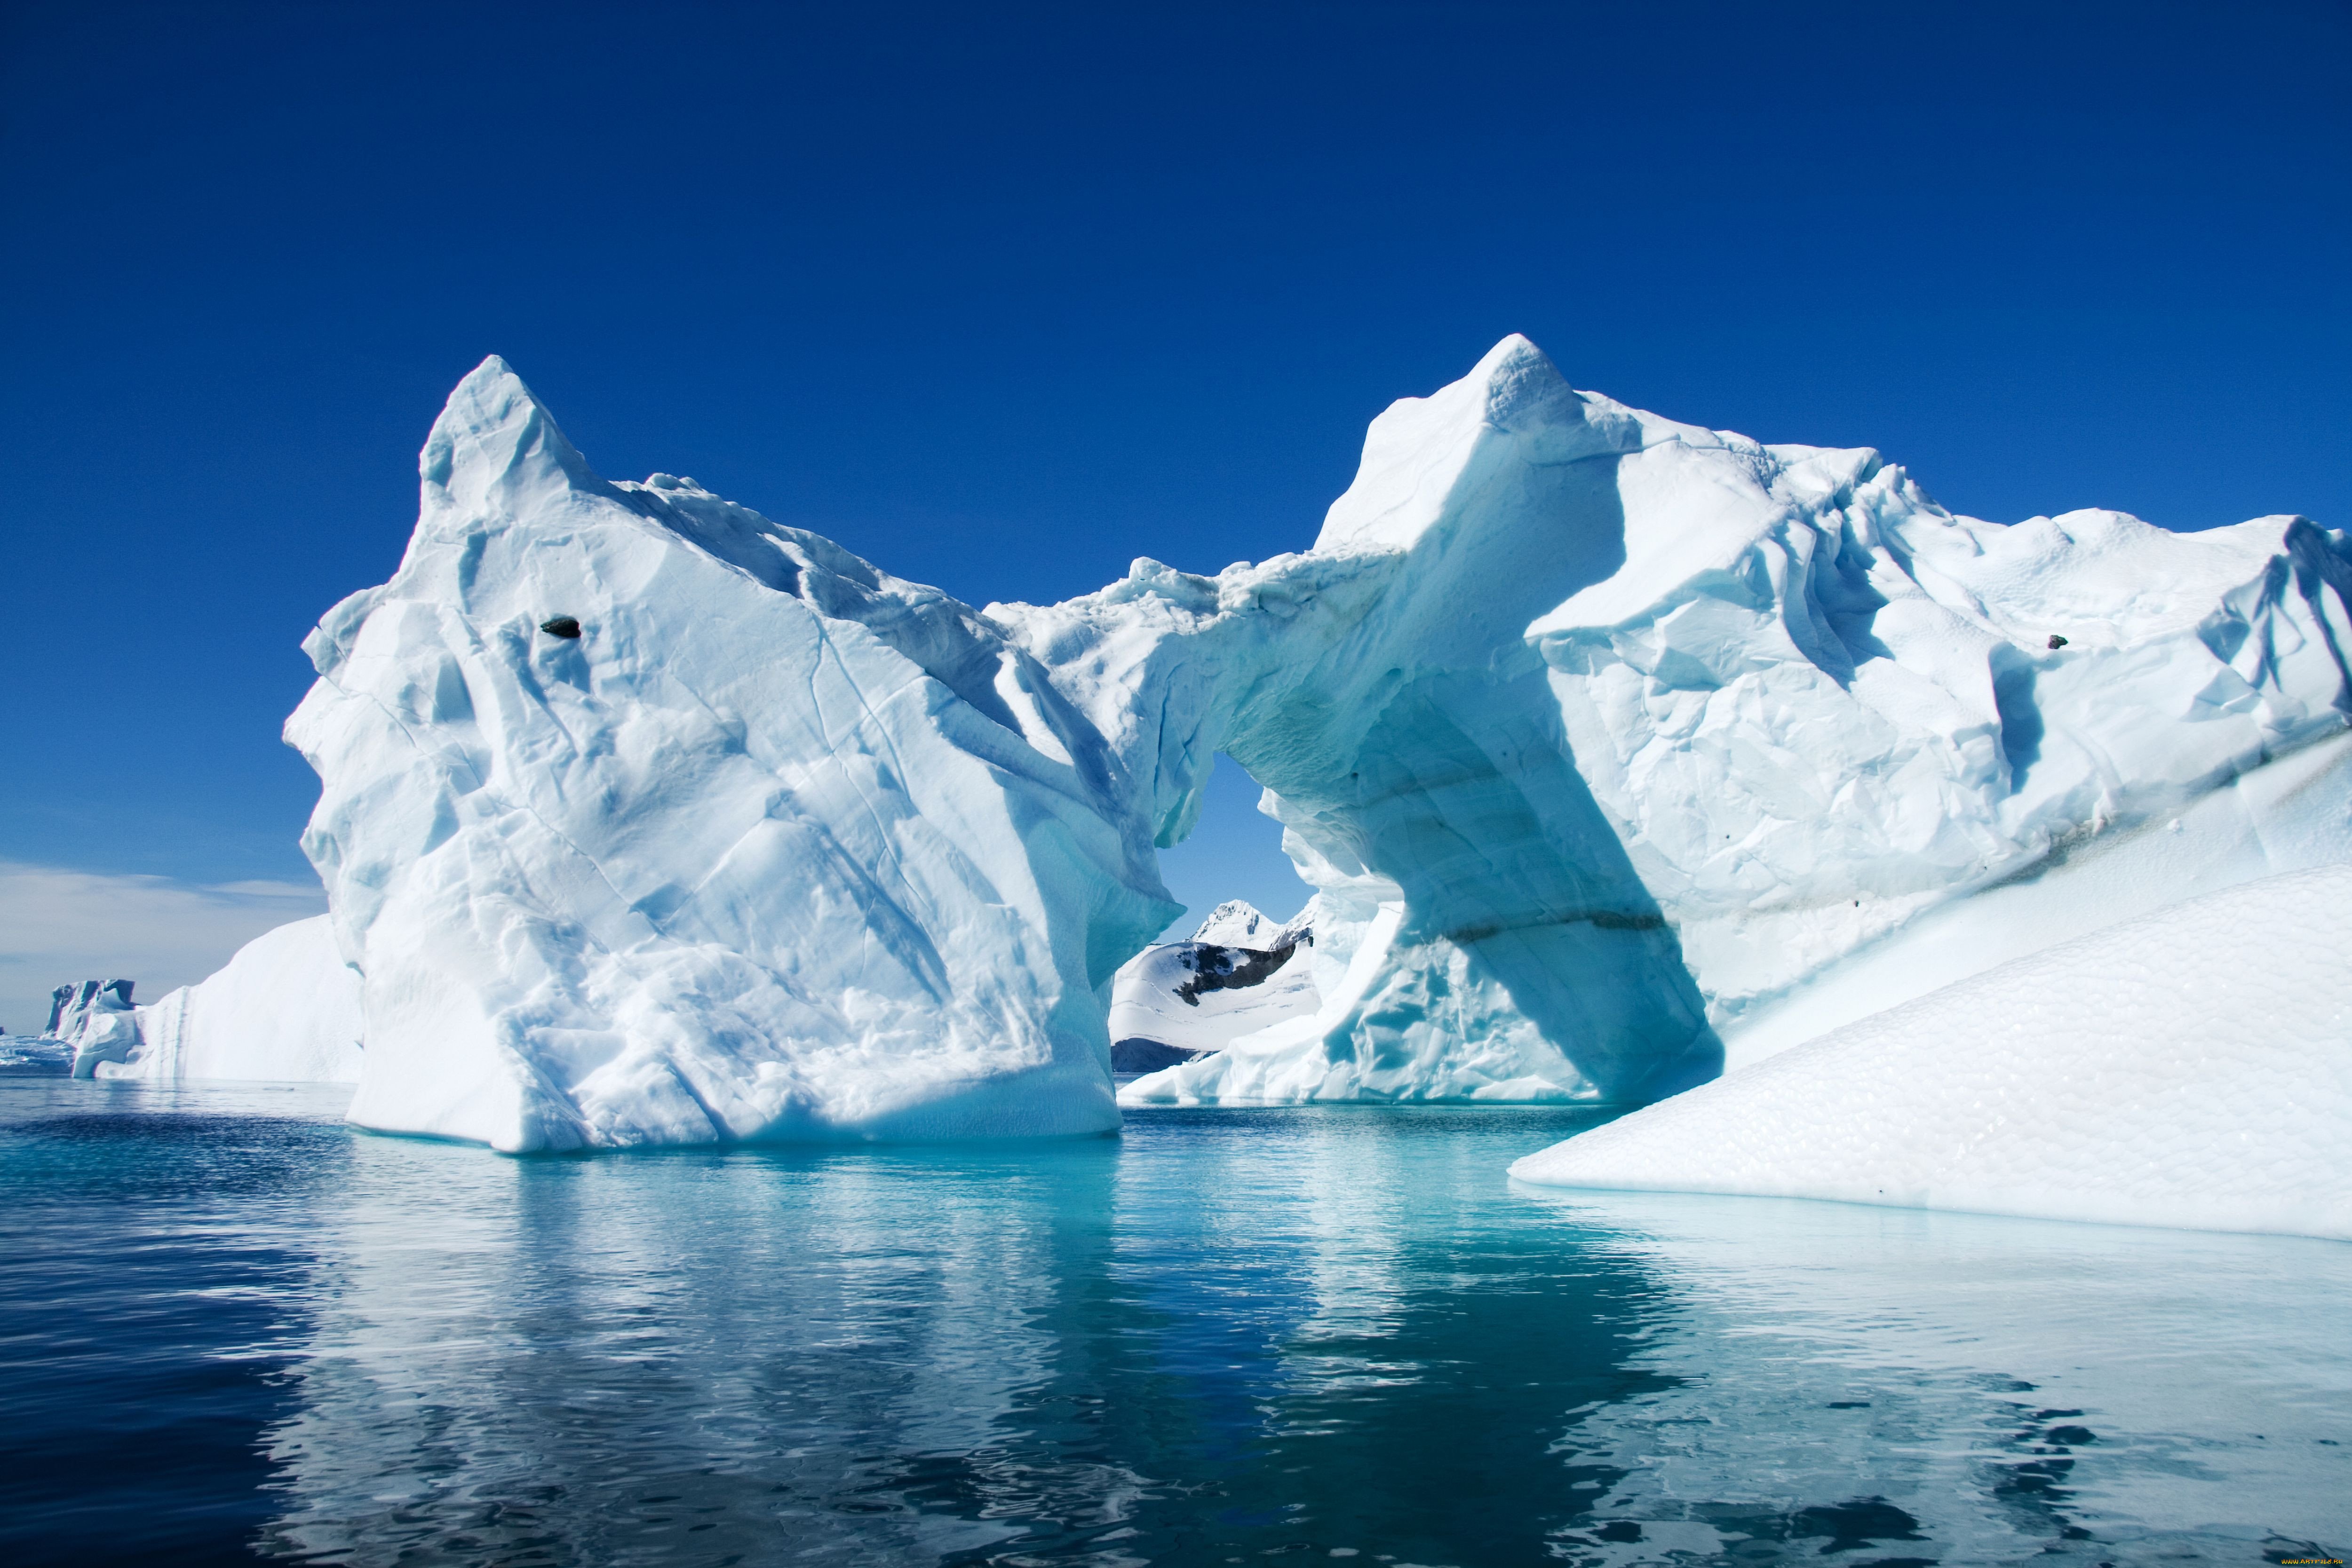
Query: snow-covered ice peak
point(1237, 923)
point(1596, 734)
point(1418, 452)
point(777, 845)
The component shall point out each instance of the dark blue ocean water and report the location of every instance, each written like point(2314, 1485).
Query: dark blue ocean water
point(230, 1327)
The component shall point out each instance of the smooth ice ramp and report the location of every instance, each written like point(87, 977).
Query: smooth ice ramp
point(2192, 1068)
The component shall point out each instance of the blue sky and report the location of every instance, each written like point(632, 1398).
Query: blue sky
point(1001, 297)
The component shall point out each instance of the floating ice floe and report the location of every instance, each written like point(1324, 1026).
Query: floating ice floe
point(2190, 1068)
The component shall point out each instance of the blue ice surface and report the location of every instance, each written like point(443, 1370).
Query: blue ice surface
point(231, 1327)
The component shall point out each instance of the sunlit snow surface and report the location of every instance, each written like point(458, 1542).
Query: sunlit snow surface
point(225, 1317)
point(2190, 1068)
point(286, 1008)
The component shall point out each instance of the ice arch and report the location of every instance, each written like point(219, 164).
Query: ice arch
point(1597, 733)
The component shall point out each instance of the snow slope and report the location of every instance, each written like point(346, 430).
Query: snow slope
point(2190, 1068)
point(1238, 974)
point(776, 846)
point(286, 1007)
point(2289, 815)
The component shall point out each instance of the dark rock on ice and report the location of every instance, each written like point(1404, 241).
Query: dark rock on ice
point(1148, 1055)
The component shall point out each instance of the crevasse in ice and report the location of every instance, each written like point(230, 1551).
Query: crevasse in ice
point(1606, 741)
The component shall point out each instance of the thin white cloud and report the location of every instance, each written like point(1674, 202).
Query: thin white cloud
point(57, 926)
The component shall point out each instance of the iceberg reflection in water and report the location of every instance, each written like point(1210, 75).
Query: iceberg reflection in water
point(1225, 1334)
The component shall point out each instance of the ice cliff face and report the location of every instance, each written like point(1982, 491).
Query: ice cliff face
point(1600, 737)
point(775, 844)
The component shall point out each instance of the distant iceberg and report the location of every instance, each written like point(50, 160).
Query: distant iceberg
point(2191, 1067)
point(1607, 744)
point(95, 1020)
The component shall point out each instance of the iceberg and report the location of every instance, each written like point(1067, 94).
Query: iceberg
point(1239, 972)
point(1607, 744)
point(646, 820)
point(285, 1008)
point(2190, 1068)
point(96, 1019)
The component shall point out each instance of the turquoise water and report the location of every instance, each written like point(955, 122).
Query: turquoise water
point(231, 1327)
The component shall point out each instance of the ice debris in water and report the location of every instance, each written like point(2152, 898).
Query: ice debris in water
point(1605, 741)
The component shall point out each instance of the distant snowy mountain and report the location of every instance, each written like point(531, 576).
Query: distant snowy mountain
point(1607, 742)
point(1236, 923)
point(1240, 974)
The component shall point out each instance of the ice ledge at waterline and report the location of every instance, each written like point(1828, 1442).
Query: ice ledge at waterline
point(1604, 739)
point(2192, 1068)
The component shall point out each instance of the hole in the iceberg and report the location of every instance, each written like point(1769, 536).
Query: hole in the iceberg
point(1233, 851)
point(561, 627)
